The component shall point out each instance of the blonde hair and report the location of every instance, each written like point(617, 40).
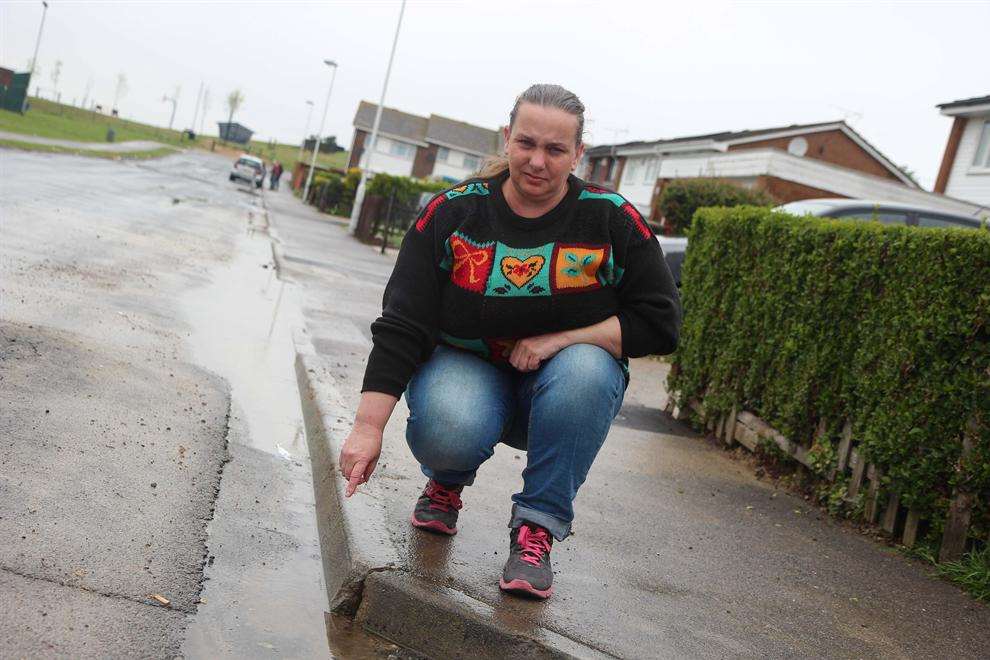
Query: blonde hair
point(547, 96)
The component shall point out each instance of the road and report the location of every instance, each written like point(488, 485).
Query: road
point(150, 440)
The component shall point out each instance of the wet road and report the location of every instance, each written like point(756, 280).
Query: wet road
point(150, 443)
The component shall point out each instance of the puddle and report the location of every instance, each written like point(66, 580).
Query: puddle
point(242, 330)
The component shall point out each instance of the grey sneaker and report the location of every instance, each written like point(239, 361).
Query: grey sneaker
point(527, 571)
point(436, 509)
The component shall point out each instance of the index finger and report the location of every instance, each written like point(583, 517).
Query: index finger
point(357, 475)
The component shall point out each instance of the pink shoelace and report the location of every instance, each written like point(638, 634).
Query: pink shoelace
point(442, 499)
point(535, 543)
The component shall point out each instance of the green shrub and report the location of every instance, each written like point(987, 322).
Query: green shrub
point(803, 319)
point(682, 197)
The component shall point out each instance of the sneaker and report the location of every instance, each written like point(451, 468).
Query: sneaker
point(436, 509)
point(528, 571)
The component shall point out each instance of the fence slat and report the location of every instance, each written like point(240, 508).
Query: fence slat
point(872, 494)
point(961, 506)
point(730, 428)
point(845, 443)
point(859, 469)
point(911, 527)
point(890, 513)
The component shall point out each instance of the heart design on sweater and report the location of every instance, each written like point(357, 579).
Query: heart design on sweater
point(520, 272)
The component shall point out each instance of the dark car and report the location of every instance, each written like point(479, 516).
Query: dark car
point(891, 213)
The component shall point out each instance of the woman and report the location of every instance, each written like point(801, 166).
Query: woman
point(514, 303)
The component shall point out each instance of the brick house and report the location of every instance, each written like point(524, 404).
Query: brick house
point(422, 147)
point(790, 162)
point(965, 170)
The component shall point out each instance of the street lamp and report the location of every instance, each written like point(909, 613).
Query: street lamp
point(309, 116)
point(365, 163)
point(319, 135)
point(37, 45)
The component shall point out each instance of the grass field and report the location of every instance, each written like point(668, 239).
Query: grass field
point(65, 122)
point(109, 155)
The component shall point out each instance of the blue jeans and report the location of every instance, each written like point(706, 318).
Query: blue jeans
point(461, 406)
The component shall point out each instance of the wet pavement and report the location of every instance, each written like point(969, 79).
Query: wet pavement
point(112, 147)
point(678, 551)
point(150, 440)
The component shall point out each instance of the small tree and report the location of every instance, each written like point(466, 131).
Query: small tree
point(55, 75)
point(682, 197)
point(234, 101)
point(121, 89)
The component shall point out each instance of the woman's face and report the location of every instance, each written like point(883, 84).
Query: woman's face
point(541, 150)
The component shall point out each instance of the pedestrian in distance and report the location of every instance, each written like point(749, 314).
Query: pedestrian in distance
point(274, 177)
point(516, 300)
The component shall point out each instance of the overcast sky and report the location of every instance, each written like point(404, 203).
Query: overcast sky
point(644, 70)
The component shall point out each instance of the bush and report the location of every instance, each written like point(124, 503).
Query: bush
point(682, 197)
point(804, 319)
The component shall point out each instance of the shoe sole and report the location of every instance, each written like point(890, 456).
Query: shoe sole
point(432, 526)
point(524, 588)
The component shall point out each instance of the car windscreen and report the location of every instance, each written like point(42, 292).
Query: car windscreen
point(250, 163)
point(931, 220)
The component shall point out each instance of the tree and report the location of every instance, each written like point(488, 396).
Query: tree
point(89, 88)
point(234, 101)
point(55, 75)
point(121, 90)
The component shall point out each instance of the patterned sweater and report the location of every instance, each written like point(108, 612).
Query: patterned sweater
point(473, 274)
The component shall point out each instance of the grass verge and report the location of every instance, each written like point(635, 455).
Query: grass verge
point(972, 572)
point(108, 155)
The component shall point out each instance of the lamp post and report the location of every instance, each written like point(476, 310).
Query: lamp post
point(365, 162)
point(37, 45)
point(319, 135)
point(309, 115)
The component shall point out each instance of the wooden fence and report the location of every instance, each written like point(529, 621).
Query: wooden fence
point(901, 523)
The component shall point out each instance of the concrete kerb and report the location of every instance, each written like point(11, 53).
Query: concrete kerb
point(363, 570)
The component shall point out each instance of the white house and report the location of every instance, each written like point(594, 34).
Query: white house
point(965, 170)
point(411, 145)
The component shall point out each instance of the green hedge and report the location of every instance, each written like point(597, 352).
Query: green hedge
point(682, 197)
point(803, 319)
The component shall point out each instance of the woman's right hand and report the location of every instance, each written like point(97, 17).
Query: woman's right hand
point(359, 455)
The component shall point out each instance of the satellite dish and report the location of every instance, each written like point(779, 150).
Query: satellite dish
point(797, 146)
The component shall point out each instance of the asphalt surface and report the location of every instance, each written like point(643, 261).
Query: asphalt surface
point(679, 551)
point(150, 441)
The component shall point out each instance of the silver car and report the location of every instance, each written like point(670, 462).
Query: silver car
point(248, 169)
point(890, 213)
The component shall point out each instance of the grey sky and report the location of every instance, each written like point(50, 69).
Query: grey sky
point(652, 69)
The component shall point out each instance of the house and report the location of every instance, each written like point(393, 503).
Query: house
point(800, 161)
point(422, 147)
point(965, 170)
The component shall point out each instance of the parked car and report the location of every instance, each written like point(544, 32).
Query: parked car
point(248, 169)
point(674, 248)
point(891, 213)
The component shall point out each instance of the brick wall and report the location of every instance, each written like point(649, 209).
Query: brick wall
point(426, 157)
point(830, 146)
point(787, 191)
point(357, 148)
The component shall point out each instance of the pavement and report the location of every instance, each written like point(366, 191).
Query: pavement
point(679, 551)
point(112, 147)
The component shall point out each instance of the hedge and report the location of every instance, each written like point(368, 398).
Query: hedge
point(682, 197)
point(805, 319)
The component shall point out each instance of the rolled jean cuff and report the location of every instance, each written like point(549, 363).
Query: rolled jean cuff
point(449, 478)
point(560, 529)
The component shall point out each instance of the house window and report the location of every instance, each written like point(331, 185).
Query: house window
point(402, 149)
point(472, 163)
point(982, 158)
point(650, 171)
point(443, 155)
point(632, 169)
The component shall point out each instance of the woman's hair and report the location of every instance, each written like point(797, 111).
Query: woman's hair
point(547, 96)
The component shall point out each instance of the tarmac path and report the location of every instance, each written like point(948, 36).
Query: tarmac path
point(150, 434)
point(113, 147)
point(679, 550)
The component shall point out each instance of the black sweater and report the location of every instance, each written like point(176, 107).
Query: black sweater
point(473, 274)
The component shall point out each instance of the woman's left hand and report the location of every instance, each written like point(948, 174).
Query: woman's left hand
point(529, 353)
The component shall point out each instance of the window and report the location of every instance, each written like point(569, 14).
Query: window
point(982, 158)
point(884, 217)
point(632, 169)
point(650, 171)
point(943, 221)
point(443, 155)
point(472, 163)
point(402, 149)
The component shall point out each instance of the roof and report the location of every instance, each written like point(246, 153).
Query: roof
point(963, 103)
point(433, 129)
point(461, 134)
point(394, 122)
point(733, 137)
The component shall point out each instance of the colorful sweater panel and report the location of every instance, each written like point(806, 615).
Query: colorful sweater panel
point(473, 275)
